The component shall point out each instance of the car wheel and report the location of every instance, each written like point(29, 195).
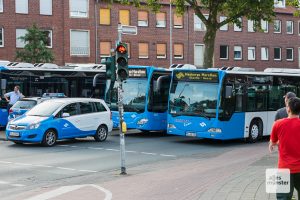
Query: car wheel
point(101, 133)
point(255, 131)
point(49, 138)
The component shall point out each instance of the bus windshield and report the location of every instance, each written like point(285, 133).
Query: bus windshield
point(134, 95)
point(193, 99)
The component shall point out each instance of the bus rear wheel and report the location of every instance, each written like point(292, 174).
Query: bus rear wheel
point(255, 131)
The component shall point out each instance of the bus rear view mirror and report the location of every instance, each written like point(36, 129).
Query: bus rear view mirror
point(228, 91)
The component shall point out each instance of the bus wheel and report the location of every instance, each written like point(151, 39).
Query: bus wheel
point(255, 131)
point(101, 133)
point(49, 138)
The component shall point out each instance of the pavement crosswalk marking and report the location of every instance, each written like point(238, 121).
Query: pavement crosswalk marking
point(11, 184)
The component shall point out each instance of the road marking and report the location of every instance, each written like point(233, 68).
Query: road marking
point(95, 148)
point(166, 155)
point(112, 149)
point(131, 151)
point(154, 154)
point(67, 189)
point(11, 184)
point(48, 166)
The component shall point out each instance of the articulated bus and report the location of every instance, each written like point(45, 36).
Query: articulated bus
point(227, 105)
point(145, 99)
point(34, 81)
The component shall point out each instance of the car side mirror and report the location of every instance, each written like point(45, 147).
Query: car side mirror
point(228, 91)
point(64, 115)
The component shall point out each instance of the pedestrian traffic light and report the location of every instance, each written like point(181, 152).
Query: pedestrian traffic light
point(110, 64)
point(122, 61)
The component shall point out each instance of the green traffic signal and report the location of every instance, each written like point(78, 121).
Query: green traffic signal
point(122, 61)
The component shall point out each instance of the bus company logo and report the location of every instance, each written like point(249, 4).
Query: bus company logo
point(202, 124)
point(133, 116)
point(277, 180)
point(66, 125)
point(187, 123)
point(180, 75)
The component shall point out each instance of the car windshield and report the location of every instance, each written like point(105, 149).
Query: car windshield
point(44, 109)
point(193, 99)
point(24, 104)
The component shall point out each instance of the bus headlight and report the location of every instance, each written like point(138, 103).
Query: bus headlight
point(171, 126)
point(34, 126)
point(215, 130)
point(142, 121)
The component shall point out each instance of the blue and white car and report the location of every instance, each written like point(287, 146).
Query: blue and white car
point(61, 118)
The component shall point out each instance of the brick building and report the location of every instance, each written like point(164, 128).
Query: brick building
point(82, 31)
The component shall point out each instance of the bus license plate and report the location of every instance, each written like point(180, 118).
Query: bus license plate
point(14, 134)
point(191, 134)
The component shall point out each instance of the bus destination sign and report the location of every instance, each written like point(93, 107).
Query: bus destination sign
point(197, 76)
point(137, 73)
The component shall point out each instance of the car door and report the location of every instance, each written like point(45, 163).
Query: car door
point(67, 119)
point(87, 120)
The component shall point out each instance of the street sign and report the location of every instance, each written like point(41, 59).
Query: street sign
point(129, 30)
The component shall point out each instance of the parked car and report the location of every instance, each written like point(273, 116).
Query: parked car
point(25, 104)
point(61, 118)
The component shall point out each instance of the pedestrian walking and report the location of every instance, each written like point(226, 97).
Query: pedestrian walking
point(282, 113)
point(13, 97)
point(286, 134)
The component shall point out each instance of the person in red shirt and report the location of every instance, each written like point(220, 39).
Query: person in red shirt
point(286, 134)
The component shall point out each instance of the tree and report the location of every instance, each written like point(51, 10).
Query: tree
point(295, 4)
point(35, 50)
point(255, 10)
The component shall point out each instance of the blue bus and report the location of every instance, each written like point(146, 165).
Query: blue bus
point(37, 80)
point(227, 105)
point(145, 99)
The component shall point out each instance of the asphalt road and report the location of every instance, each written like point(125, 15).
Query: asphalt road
point(83, 161)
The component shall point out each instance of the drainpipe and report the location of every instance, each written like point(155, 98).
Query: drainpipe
point(96, 31)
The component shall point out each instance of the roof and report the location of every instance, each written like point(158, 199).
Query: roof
point(73, 100)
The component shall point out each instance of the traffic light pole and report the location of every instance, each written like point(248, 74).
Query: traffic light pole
point(121, 110)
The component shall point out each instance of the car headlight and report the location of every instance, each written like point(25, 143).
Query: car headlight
point(215, 130)
point(34, 126)
point(171, 126)
point(142, 121)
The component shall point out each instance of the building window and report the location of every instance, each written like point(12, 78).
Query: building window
point(264, 53)
point(224, 52)
point(224, 27)
point(178, 21)
point(289, 54)
point(251, 53)
point(161, 20)
point(104, 16)
point(251, 26)
point(289, 27)
point(105, 48)
point(80, 42)
point(1, 5)
point(265, 26)
point(124, 17)
point(236, 28)
point(279, 3)
point(143, 18)
point(143, 50)
point(21, 6)
point(20, 33)
point(46, 7)
point(277, 53)
point(237, 51)
point(79, 8)
point(277, 26)
point(161, 50)
point(48, 34)
point(198, 24)
point(1, 37)
point(178, 51)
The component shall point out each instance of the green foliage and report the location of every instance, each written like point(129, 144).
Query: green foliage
point(295, 4)
point(35, 50)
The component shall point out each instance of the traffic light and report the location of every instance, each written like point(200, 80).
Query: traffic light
point(110, 63)
point(122, 61)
